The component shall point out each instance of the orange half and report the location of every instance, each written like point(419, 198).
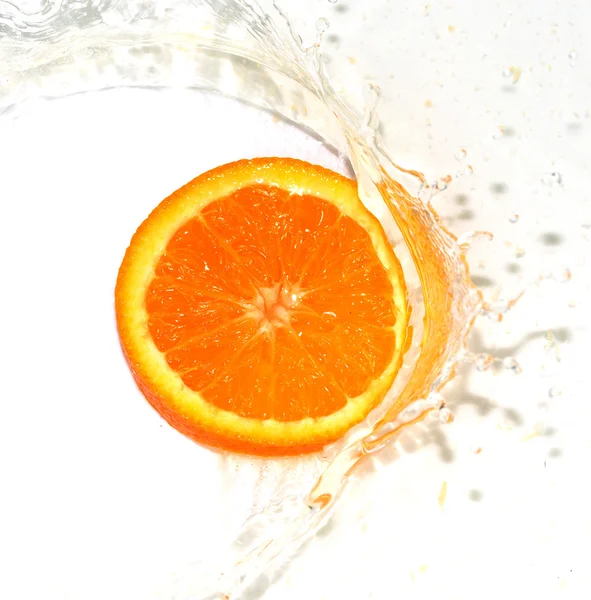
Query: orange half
point(262, 309)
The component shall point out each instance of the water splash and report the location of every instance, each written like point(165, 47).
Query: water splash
point(251, 51)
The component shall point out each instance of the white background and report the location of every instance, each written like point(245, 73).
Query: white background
point(87, 513)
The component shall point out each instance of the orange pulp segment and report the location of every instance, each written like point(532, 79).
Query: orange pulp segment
point(262, 309)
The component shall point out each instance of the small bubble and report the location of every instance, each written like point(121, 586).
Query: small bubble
point(513, 217)
point(333, 1)
point(510, 364)
point(322, 25)
point(552, 179)
point(554, 392)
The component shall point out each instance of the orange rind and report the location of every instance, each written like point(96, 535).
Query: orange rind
point(262, 309)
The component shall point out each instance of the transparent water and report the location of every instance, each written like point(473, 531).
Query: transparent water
point(105, 159)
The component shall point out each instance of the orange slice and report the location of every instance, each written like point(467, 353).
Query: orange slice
point(261, 308)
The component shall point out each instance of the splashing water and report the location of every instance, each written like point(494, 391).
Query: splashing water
point(250, 51)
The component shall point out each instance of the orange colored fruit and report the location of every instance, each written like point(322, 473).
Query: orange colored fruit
point(261, 308)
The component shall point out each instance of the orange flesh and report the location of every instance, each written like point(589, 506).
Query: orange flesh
point(273, 306)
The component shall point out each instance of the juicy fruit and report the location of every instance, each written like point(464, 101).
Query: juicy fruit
point(261, 308)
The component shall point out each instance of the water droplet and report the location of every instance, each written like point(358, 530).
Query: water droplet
point(572, 58)
point(552, 179)
point(510, 364)
point(564, 276)
point(438, 402)
point(322, 25)
point(554, 392)
point(445, 415)
point(461, 154)
point(484, 362)
point(513, 217)
point(498, 133)
point(513, 72)
point(441, 184)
